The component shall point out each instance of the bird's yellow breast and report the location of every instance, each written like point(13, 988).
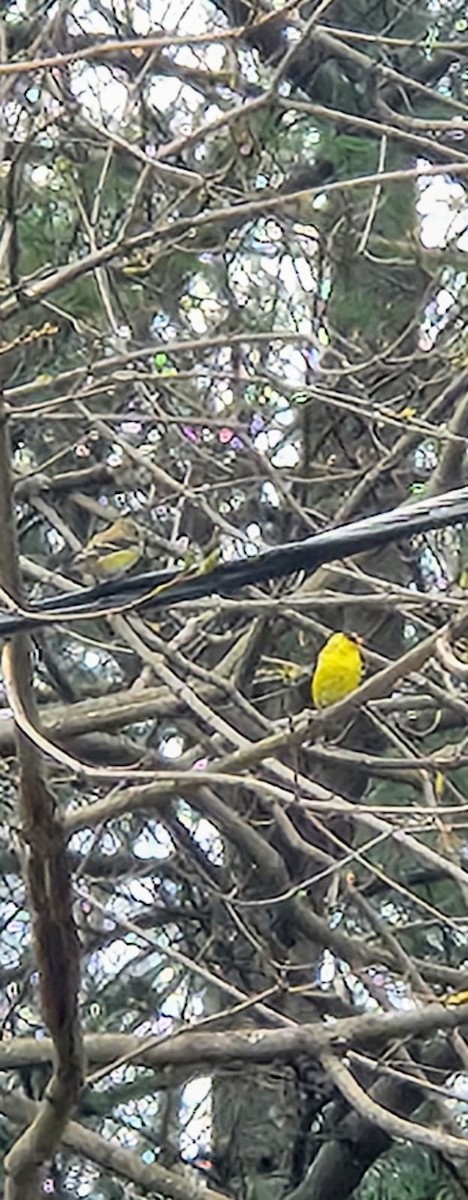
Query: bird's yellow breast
point(338, 670)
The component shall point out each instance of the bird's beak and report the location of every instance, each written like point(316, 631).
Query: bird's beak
point(355, 637)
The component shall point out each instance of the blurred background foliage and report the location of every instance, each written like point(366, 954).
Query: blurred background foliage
point(189, 344)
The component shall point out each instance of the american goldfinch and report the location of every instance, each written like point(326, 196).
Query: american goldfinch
point(453, 999)
point(338, 669)
point(198, 563)
point(114, 551)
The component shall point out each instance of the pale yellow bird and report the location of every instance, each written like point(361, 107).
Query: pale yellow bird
point(114, 551)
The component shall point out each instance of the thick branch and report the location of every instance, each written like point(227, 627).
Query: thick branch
point(46, 868)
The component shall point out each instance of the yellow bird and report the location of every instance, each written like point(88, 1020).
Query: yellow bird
point(113, 552)
point(338, 669)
